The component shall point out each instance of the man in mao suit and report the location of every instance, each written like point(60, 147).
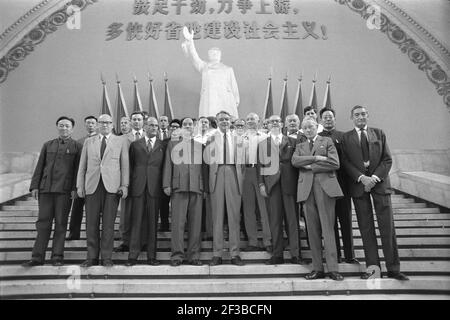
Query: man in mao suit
point(367, 160)
point(277, 180)
point(343, 208)
point(317, 160)
point(183, 179)
point(225, 162)
point(102, 177)
point(52, 184)
point(76, 216)
point(136, 133)
point(146, 166)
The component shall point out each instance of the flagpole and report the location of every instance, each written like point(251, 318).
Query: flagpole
point(267, 94)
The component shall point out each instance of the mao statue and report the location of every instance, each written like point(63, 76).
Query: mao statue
point(219, 88)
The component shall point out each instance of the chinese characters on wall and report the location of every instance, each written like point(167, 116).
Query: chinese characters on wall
point(215, 29)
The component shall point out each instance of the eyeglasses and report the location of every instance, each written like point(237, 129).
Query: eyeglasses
point(274, 121)
point(105, 122)
point(239, 125)
point(223, 119)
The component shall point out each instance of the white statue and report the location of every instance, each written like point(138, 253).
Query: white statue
point(219, 88)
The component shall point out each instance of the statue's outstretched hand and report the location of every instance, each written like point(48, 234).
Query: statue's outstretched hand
point(189, 36)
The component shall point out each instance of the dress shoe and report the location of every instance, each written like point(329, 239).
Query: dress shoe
point(32, 263)
point(335, 276)
point(72, 237)
point(195, 262)
point(122, 248)
point(252, 248)
point(275, 260)
point(57, 262)
point(176, 263)
point(237, 261)
point(107, 263)
point(215, 261)
point(269, 248)
point(352, 261)
point(153, 262)
point(297, 260)
point(315, 275)
point(397, 275)
point(89, 263)
point(131, 262)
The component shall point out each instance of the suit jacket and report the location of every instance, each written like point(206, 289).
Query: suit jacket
point(113, 168)
point(213, 148)
point(57, 166)
point(324, 170)
point(146, 167)
point(189, 175)
point(379, 157)
point(337, 138)
point(286, 172)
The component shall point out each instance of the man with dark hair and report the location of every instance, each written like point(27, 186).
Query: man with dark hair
point(125, 126)
point(53, 184)
point(343, 207)
point(225, 185)
point(367, 160)
point(164, 134)
point(163, 131)
point(76, 216)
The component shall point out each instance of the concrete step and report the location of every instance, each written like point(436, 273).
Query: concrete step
point(398, 224)
point(219, 287)
point(409, 253)
point(163, 244)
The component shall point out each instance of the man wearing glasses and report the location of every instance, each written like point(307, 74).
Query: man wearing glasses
point(102, 179)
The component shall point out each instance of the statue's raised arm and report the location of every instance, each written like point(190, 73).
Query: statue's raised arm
point(219, 88)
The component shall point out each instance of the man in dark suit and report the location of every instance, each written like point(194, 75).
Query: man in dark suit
point(343, 209)
point(183, 179)
point(277, 180)
point(367, 160)
point(146, 163)
point(164, 202)
point(76, 216)
point(52, 184)
point(102, 178)
point(317, 160)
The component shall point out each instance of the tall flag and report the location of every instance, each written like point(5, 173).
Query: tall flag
point(299, 100)
point(106, 104)
point(137, 104)
point(268, 106)
point(152, 104)
point(313, 98)
point(168, 111)
point(327, 97)
point(284, 111)
point(121, 108)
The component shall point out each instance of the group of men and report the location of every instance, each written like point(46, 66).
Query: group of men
point(275, 171)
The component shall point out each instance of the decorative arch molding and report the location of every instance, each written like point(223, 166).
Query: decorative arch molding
point(421, 47)
point(412, 44)
point(20, 39)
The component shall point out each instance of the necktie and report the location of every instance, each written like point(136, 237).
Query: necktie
point(102, 147)
point(149, 145)
point(138, 136)
point(364, 145)
point(225, 148)
point(311, 145)
point(164, 134)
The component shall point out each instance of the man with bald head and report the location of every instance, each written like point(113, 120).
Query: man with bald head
point(292, 125)
point(102, 179)
point(251, 196)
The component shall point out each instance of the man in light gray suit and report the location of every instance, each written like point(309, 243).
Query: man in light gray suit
point(103, 177)
point(225, 161)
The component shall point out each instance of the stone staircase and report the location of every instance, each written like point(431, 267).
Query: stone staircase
point(422, 232)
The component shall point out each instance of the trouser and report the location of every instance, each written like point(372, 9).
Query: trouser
point(319, 209)
point(164, 211)
point(52, 206)
point(76, 217)
point(144, 211)
point(101, 201)
point(207, 225)
point(343, 210)
point(226, 193)
point(251, 197)
point(125, 220)
point(186, 206)
point(383, 210)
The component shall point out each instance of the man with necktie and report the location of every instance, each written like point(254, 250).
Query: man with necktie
point(343, 208)
point(277, 180)
point(53, 184)
point(367, 160)
point(164, 133)
point(102, 179)
point(225, 162)
point(136, 133)
point(146, 166)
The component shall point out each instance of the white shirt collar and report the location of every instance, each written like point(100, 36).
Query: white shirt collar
point(107, 136)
